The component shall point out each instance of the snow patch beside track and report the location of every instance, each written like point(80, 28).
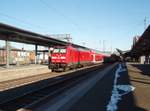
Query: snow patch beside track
point(116, 96)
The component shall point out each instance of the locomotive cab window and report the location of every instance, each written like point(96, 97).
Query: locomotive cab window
point(62, 50)
point(56, 51)
point(59, 51)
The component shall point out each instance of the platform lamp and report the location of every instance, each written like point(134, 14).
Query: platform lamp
point(51, 49)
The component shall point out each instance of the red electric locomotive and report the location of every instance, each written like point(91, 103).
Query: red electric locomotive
point(64, 57)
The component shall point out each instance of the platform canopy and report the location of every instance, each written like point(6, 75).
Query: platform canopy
point(142, 46)
point(15, 34)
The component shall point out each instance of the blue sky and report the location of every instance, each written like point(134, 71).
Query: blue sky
point(89, 21)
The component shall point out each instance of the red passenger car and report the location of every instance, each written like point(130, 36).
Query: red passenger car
point(97, 57)
point(85, 57)
point(69, 57)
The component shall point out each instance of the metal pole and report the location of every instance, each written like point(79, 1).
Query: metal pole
point(145, 23)
point(49, 57)
point(35, 54)
point(7, 53)
point(100, 45)
point(103, 45)
point(43, 57)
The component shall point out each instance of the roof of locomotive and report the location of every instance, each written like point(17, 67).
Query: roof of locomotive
point(66, 46)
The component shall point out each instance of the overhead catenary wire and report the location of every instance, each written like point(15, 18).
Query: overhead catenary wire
point(48, 6)
point(60, 14)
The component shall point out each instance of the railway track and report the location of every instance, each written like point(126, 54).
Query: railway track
point(51, 90)
point(6, 85)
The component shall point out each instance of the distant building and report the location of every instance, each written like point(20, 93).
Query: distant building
point(17, 56)
point(21, 56)
point(13, 54)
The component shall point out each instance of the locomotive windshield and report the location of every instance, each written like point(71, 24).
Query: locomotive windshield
point(59, 50)
point(56, 51)
point(62, 50)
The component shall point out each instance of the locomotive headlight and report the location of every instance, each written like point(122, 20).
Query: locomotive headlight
point(63, 57)
point(51, 49)
point(54, 57)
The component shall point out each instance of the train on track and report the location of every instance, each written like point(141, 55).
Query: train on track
point(69, 57)
point(112, 59)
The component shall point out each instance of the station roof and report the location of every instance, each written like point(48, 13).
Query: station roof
point(142, 46)
point(15, 34)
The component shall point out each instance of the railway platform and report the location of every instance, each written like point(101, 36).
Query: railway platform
point(22, 71)
point(20, 76)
